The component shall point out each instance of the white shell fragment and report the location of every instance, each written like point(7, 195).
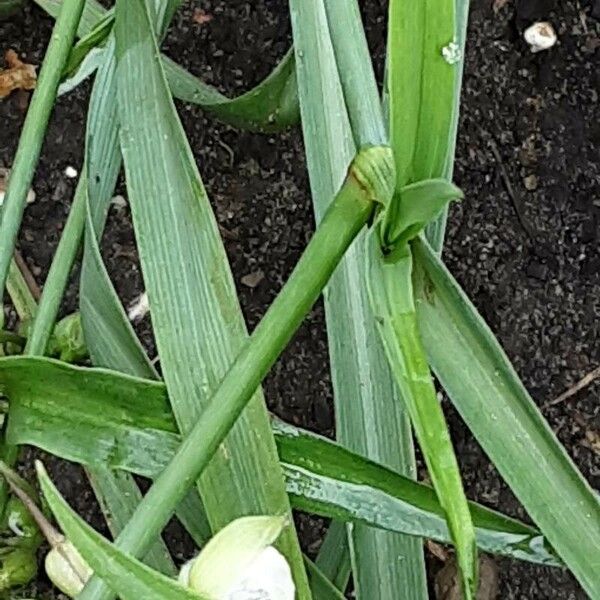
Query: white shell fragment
point(71, 172)
point(451, 53)
point(540, 36)
point(118, 202)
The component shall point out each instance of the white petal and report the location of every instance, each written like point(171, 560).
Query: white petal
point(268, 577)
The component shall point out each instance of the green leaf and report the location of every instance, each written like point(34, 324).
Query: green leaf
point(96, 37)
point(20, 294)
point(118, 495)
point(99, 417)
point(334, 556)
point(108, 333)
point(422, 91)
point(368, 409)
point(496, 407)
point(420, 85)
point(320, 586)
point(270, 106)
point(127, 576)
point(196, 317)
point(391, 295)
point(412, 208)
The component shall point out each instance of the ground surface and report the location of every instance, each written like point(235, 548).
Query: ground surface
point(530, 262)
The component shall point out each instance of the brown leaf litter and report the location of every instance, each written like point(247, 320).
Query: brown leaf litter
point(17, 75)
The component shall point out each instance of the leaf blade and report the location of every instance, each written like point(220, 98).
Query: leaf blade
point(130, 578)
point(125, 423)
point(367, 407)
point(196, 317)
point(476, 370)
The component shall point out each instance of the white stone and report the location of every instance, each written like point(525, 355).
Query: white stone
point(71, 172)
point(140, 308)
point(540, 36)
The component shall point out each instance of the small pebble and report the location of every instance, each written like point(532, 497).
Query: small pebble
point(71, 172)
point(119, 202)
point(540, 36)
point(139, 309)
point(530, 182)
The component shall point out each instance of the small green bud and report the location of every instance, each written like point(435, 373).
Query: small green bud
point(18, 566)
point(68, 342)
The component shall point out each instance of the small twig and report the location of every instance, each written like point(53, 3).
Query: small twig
point(34, 288)
point(512, 193)
point(582, 383)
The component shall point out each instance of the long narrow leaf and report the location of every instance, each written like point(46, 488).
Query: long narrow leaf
point(110, 338)
point(196, 317)
point(421, 98)
point(127, 576)
point(334, 555)
point(368, 410)
point(98, 417)
point(496, 407)
point(270, 106)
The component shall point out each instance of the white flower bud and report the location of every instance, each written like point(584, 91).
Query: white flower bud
point(239, 563)
point(66, 569)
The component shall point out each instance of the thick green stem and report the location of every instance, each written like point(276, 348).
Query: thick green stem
point(347, 215)
point(44, 314)
point(58, 276)
point(32, 136)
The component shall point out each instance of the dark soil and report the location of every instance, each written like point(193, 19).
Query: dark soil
point(529, 262)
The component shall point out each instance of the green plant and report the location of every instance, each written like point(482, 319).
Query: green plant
point(380, 175)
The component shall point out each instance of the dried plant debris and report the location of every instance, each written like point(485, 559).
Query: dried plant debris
point(17, 75)
point(200, 17)
point(251, 280)
point(447, 581)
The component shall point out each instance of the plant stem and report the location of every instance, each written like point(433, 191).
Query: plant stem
point(32, 136)
point(58, 275)
point(346, 216)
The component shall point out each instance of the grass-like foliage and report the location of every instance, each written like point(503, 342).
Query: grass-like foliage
point(380, 168)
